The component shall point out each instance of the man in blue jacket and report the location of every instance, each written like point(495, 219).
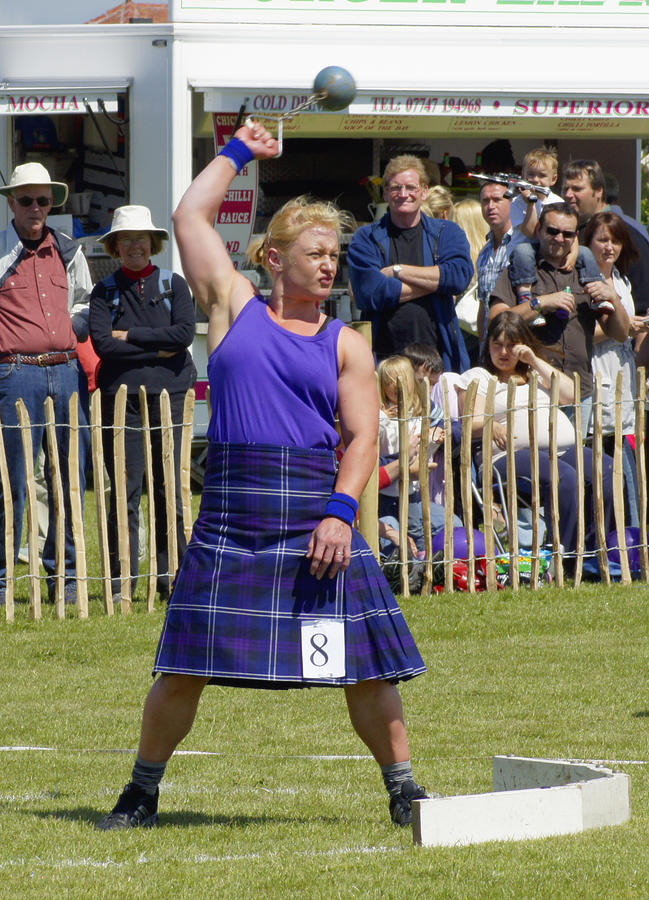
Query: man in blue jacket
point(406, 269)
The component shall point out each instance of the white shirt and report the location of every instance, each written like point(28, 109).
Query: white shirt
point(519, 207)
point(565, 430)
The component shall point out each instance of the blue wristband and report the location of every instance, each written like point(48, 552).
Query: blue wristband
point(342, 506)
point(238, 152)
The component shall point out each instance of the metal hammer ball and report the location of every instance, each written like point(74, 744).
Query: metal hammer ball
point(337, 85)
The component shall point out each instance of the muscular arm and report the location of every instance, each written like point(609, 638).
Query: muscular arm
point(358, 410)
point(217, 286)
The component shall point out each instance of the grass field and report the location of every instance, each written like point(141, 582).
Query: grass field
point(289, 802)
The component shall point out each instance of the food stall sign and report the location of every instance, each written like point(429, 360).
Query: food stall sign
point(22, 102)
point(605, 13)
point(473, 105)
point(419, 103)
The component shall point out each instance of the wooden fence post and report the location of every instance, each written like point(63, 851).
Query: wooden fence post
point(169, 470)
point(59, 508)
point(151, 520)
point(404, 401)
point(618, 485)
point(449, 494)
point(119, 455)
point(598, 498)
point(423, 388)
point(96, 439)
point(532, 419)
point(8, 508)
point(32, 516)
point(554, 478)
point(488, 483)
point(466, 491)
point(512, 487)
point(186, 462)
point(76, 509)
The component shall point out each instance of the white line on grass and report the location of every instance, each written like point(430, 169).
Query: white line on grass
point(333, 757)
point(83, 863)
point(20, 748)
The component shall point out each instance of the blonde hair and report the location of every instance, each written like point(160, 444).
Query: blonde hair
point(401, 164)
point(438, 202)
point(291, 220)
point(468, 215)
point(389, 371)
point(542, 156)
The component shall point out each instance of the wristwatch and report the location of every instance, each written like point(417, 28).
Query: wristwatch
point(535, 303)
point(396, 269)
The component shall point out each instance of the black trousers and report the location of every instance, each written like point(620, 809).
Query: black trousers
point(134, 445)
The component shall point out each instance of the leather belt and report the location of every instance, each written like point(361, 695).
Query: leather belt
point(39, 359)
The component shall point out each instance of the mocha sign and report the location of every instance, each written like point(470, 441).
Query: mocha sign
point(16, 104)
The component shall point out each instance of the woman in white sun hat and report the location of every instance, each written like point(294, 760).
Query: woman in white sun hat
point(142, 321)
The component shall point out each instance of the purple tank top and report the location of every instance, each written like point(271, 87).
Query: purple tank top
point(270, 386)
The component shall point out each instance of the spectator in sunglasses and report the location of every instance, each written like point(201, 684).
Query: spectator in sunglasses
point(568, 316)
point(45, 286)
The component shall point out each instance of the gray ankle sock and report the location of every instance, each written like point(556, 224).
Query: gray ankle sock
point(395, 774)
point(148, 775)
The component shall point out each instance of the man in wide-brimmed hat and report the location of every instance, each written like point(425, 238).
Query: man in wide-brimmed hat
point(45, 286)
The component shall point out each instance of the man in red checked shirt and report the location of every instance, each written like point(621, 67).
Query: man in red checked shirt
point(44, 290)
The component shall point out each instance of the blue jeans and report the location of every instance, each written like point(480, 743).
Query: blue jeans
point(522, 265)
point(33, 384)
point(567, 491)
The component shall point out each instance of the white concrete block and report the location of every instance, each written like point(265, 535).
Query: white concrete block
point(532, 798)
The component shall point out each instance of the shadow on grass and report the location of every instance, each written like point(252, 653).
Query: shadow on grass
point(188, 819)
point(641, 714)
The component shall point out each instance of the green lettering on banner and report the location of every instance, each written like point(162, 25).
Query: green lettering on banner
point(540, 11)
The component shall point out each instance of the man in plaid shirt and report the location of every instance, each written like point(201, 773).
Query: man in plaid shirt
point(501, 240)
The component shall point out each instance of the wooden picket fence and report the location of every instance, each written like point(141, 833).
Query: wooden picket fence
point(368, 512)
point(466, 486)
point(79, 534)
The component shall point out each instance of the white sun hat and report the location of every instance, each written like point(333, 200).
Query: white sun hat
point(133, 218)
point(35, 174)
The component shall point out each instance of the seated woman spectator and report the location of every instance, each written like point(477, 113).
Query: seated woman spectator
point(608, 237)
point(389, 371)
point(142, 322)
point(511, 350)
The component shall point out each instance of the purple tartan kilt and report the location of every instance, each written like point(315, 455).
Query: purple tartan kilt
point(244, 586)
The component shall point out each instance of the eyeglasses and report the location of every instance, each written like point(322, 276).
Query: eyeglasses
point(29, 201)
point(555, 232)
point(395, 189)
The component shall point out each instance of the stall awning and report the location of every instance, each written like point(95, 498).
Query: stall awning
point(421, 113)
point(33, 98)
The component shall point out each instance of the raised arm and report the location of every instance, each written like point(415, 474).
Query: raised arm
point(219, 289)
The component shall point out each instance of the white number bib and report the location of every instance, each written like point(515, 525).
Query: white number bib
point(323, 648)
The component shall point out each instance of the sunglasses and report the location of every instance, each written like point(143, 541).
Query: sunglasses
point(29, 201)
point(555, 232)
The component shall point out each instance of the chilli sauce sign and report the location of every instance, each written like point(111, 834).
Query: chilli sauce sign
point(236, 217)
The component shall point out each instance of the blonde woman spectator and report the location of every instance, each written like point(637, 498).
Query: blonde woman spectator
point(439, 202)
point(468, 215)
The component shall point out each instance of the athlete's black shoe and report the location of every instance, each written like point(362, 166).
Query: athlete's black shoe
point(134, 809)
point(401, 803)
